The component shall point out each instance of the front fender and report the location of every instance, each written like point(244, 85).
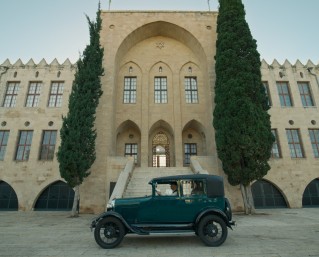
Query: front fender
point(215, 212)
point(110, 214)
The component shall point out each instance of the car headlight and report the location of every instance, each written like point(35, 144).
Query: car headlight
point(110, 205)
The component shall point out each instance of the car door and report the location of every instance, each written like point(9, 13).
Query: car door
point(160, 209)
point(192, 203)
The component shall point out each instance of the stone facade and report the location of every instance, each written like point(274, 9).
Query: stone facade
point(142, 49)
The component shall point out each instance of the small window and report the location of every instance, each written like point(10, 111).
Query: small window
point(284, 94)
point(33, 94)
point(294, 142)
point(131, 150)
point(314, 138)
point(4, 135)
point(48, 145)
point(129, 95)
point(160, 90)
point(266, 87)
point(191, 93)
point(275, 151)
point(305, 94)
point(24, 145)
point(10, 97)
point(189, 150)
point(56, 93)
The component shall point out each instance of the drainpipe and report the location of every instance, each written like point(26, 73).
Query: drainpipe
point(313, 74)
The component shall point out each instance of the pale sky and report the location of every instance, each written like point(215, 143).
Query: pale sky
point(284, 29)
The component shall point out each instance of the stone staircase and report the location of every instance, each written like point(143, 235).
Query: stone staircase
point(138, 184)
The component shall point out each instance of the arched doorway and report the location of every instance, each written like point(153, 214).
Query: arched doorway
point(8, 198)
point(194, 142)
point(160, 150)
point(267, 195)
point(56, 197)
point(310, 196)
point(128, 141)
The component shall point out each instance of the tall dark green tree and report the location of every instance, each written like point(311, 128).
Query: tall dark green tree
point(76, 153)
point(242, 124)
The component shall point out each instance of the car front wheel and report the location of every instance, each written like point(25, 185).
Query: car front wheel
point(212, 230)
point(109, 232)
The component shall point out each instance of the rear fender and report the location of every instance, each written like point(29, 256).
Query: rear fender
point(214, 212)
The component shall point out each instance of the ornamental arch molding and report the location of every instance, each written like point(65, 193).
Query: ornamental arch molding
point(161, 145)
point(160, 28)
point(128, 140)
point(194, 140)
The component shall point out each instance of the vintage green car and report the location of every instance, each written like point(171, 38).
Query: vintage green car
point(184, 203)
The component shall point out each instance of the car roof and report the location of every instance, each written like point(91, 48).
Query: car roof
point(185, 177)
point(215, 184)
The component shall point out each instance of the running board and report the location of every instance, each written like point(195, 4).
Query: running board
point(160, 228)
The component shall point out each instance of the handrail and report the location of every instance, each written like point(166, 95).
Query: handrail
point(196, 167)
point(123, 180)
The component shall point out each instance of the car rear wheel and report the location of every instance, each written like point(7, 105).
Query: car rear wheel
point(212, 230)
point(109, 232)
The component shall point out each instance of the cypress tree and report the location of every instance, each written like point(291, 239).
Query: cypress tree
point(76, 154)
point(242, 124)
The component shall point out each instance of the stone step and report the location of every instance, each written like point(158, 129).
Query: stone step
point(138, 184)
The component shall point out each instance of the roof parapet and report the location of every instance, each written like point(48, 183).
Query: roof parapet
point(31, 63)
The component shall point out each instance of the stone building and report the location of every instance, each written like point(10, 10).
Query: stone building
point(154, 117)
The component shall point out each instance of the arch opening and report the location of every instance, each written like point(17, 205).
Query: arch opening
point(58, 196)
point(310, 196)
point(266, 195)
point(128, 141)
point(8, 198)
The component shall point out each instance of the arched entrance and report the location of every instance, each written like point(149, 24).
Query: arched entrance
point(56, 197)
point(267, 195)
point(310, 196)
point(8, 198)
point(160, 150)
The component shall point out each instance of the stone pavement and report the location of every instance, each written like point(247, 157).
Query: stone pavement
point(271, 233)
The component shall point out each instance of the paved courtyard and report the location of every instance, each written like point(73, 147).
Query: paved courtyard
point(271, 233)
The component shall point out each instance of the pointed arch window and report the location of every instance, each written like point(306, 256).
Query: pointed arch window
point(129, 95)
point(191, 93)
point(160, 90)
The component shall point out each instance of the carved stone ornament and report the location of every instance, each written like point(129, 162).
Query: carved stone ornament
point(160, 44)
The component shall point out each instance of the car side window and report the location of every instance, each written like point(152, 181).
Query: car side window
point(193, 187)
point(166, 189)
